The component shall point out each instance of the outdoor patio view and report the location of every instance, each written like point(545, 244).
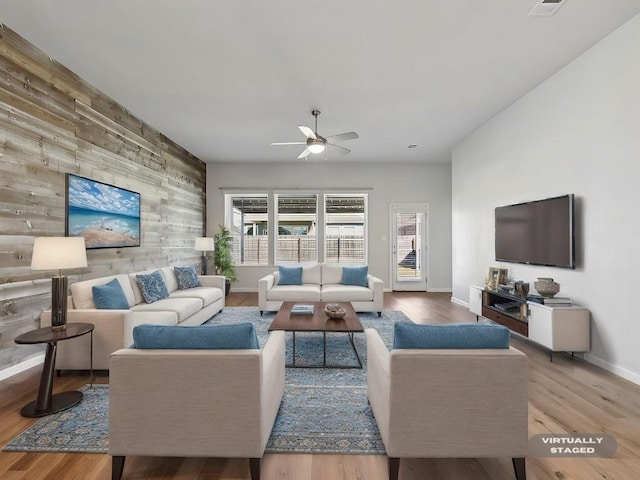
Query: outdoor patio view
point(297, 218)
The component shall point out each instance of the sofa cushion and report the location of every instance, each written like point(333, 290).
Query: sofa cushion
point(355, 275)
point(183, 307)
point(312, 273)
point(450, 336)
point(290, 275)
point(160, 317)
point(152, 286)
point(110, 296)
point(210, 337)
point(208, 295)
point(345, 293)
point(82, 292)
point(294, 293)
point(137, 294)
point(170, 279)
point(331, 273)
point(187, 277)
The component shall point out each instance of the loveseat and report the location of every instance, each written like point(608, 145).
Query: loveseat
point(195, 400)
point(321, 282)
point(114, 327)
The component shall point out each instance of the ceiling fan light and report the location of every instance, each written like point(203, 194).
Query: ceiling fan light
point(316, 147)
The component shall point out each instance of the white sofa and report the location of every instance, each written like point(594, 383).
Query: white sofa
point(320, 283)
point(114, 328)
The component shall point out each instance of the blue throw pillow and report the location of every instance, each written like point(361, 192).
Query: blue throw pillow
point(355, 276)
point(110, 296)
point(152, 286)
point(455, 335)
point(187, 277)
point(290, 275)
point(205, 337)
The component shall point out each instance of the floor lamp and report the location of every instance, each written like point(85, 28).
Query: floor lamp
point(204, 245)
point(58, 253)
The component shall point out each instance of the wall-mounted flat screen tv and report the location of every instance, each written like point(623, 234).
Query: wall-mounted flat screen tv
point(105, 215)
point(537, 233)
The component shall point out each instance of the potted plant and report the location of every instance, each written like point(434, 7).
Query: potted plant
point(222, 257)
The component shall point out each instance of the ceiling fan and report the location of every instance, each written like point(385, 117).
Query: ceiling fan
point(316, 143)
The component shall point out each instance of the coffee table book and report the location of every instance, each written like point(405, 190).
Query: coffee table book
point(302, 309)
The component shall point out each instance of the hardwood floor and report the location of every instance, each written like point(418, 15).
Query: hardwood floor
point(564, 396)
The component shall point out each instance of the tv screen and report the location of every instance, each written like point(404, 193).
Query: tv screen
point(536, 233)
point(105, 215)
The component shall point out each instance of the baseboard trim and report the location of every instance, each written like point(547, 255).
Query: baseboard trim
point(439, 290)
point(615, 369)
point(22, 366)
point(457, 301)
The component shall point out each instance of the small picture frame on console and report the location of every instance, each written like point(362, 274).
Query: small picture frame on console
point(502, 276)
point(493, 278)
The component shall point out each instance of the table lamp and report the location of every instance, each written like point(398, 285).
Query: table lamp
point(58, 253)
point(204, 245)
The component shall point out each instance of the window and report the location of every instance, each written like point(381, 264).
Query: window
point(345, 228)
point(297, 216)
point(275, 228)
point(249, 226)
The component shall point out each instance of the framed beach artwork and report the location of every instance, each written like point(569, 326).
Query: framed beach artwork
point(105, 215)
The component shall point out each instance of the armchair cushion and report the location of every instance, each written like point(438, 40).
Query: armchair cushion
point(152, 286)
point(290, 275)
point(355, 275)
point(110, 296)
point(239, 336)
point(450, 336)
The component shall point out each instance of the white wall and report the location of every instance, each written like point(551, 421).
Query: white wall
point(389, 183)
point(578, 132)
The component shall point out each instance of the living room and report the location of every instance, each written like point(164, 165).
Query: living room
point(575, 132)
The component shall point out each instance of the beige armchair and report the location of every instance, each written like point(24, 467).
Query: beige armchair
point(194, 403)
point(449, 403)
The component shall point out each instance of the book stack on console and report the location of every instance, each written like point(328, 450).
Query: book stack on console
point(508, 307)
point(300, 309)
point(558, 302)
point(535, 298)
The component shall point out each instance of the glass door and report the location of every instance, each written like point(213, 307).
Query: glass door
point(409, 247)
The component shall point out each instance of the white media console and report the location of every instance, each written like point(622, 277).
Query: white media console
point(558, 328)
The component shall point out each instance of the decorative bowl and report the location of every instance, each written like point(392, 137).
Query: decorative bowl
point(546, 287)
point(334, 311)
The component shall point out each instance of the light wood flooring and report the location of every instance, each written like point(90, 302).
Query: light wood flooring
point(564, 396)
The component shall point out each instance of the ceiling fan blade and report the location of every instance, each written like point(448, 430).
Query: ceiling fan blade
point(289, 143)
point(341, 137)
point(305, 153)
point(308, 132)
point(340, 149)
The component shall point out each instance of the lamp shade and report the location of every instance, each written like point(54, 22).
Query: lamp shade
point(58, 253)
point(204, 244)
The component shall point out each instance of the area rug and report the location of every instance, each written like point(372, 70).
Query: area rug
point(323, 410)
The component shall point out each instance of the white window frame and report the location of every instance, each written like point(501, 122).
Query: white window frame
point(272, 217)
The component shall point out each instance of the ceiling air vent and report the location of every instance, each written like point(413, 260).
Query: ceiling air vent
point(546, 7)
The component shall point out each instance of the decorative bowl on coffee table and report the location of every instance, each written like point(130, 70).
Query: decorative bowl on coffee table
point(332, 310)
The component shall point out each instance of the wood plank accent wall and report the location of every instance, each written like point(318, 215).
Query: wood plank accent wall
point(52, 123)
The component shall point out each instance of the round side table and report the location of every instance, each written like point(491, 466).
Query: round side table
point(47, 403)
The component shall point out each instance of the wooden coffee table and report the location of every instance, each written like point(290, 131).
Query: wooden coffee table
point(318, 322)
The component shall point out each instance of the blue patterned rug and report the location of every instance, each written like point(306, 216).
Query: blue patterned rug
point(323, 410)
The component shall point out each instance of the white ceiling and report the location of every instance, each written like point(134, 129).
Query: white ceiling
point(224, 79)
